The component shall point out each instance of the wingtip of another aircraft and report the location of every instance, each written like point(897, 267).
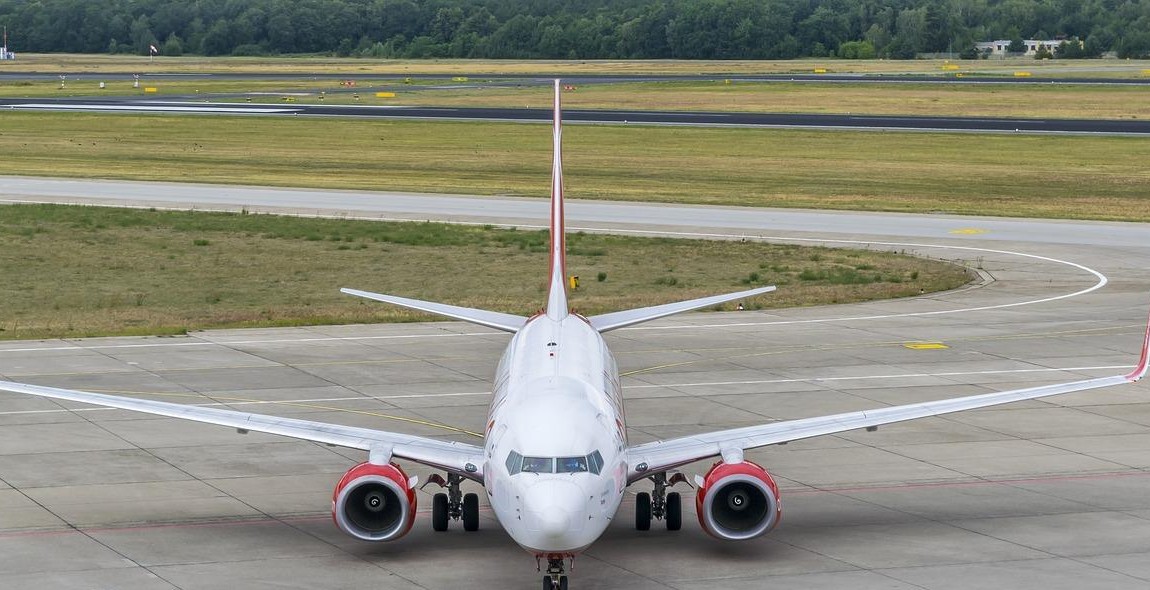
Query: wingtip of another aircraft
point(1143, 361)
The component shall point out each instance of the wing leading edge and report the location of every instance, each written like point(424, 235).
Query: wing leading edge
point(659, 456)
point(460, 458)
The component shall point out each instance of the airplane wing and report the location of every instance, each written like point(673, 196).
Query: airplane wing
point(459, 458)
point(657, 456)
point(620, 319)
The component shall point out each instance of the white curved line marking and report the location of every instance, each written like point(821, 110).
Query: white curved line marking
point(1102, 280)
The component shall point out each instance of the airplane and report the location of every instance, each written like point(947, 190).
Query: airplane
point(555, 460)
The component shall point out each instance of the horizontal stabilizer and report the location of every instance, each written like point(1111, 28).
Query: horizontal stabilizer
point(619, 319)
point(492, 319)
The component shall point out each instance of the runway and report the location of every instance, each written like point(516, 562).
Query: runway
point(1044, 494)
point(612, 117)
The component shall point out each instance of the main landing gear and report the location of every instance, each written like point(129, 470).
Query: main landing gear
point(660, 504)
point(453, 505)
point(555, 579)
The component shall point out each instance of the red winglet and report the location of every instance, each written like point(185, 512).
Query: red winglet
point(1143, 362)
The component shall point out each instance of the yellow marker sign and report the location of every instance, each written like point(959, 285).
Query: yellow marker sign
point(1021, 74)
point(820, 70)
point(385, 95)
point(459, 79)
point(967, 231)
point(926, 346)
point(150, 90)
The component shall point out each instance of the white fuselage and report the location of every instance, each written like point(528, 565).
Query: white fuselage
point(555, 437)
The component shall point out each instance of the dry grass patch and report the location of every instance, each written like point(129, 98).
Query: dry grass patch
point(1084, 177)
point(85, 63)
point(90, 271)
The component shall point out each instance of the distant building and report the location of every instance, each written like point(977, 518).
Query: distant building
point(999, 47)
point(4, 53)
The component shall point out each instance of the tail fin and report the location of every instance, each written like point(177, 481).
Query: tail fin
point(557, 288)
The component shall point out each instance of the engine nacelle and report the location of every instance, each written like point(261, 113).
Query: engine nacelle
point(738, 501)
point(374, 502)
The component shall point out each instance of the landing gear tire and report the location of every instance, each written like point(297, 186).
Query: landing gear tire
point(439, 512)
point(551, 584)
point(674, 514)
point(643, 511)
point(471, 512)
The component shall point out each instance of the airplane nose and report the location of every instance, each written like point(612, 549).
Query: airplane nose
point(553, 507)
point(554, 523)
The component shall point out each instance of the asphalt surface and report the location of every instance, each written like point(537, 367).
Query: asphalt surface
point(1044, 495)
point(581, 215)
point(693, 118)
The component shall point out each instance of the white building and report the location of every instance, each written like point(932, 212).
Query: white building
point(999, 47)
point(4, 53)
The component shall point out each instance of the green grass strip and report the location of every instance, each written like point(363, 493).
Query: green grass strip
point(72, 271)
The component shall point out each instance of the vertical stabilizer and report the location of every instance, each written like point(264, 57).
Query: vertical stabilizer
point(557, 289)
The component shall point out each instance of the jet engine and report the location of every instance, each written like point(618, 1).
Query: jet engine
point(737, 501)
point(374, 502)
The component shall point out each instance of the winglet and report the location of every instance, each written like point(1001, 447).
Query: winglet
point(1144, 361)
point(557, 288)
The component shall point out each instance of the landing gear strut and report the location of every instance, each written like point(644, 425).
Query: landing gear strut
point(555, 579)
point(660, 504)
point(453, 505)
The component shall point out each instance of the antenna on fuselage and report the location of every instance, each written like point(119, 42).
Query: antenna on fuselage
point(557, 289)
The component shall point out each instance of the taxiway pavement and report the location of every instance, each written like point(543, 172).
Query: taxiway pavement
point(1044, 494)
point(614, 117)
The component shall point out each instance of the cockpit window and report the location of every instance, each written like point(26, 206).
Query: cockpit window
point(517, 463)
point(514, 462)
point(595, 462)
point(539, 464)
point(571, 464)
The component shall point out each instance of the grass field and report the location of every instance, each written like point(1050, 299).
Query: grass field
point(86, 271)
point(1010, 175)
point(76, 63)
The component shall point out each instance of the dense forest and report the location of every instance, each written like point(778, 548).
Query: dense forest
point(574, 29)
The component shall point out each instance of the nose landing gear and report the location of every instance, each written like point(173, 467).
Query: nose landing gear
point(555, 578)
point(453, 505)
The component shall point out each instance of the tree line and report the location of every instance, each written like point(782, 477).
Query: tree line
point(573, 29)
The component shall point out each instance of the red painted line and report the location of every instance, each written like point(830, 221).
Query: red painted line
point(185, 525)
point(980, 482)
point(161, 526)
